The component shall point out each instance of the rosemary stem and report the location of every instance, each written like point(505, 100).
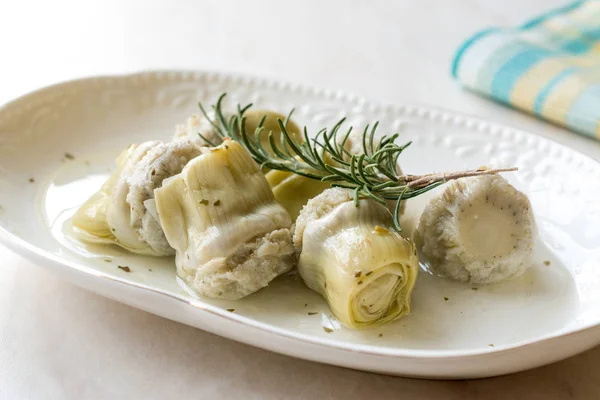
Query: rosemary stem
point(419, 181)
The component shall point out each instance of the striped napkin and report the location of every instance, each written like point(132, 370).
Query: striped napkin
point(549, 66)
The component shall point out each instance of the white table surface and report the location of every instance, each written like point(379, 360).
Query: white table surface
point(58, 341)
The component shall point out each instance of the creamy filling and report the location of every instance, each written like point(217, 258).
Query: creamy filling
point(488, 230)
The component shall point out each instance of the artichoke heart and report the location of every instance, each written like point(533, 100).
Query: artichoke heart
point(230, 236)
point(354, 259)
point(478, 230)
point(293, 191)
point(121, 212)
point(89, 222)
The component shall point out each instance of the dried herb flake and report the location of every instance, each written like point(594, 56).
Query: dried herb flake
point(124, 268)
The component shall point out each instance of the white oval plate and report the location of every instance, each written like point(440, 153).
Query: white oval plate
point(550, 313)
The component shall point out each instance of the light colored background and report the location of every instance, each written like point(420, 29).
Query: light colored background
point(58, 341)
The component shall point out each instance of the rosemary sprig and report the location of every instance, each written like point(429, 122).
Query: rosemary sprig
point(371, 174)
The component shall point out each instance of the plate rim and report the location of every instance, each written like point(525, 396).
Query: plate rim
point(417, 110)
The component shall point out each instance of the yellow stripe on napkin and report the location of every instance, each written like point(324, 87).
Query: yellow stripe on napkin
point(533, 81)
point(559, 101)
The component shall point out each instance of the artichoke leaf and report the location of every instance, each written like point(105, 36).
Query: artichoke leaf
point(230, 236)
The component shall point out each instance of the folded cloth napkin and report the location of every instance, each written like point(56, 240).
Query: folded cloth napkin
point(549, 66)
